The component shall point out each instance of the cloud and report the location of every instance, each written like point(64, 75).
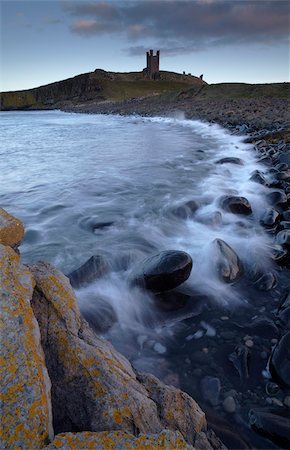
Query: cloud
point(191, 25)
point(92, 27)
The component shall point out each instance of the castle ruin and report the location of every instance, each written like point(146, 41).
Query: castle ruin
point(152, 68)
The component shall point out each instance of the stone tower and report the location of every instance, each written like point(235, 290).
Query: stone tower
point(152, 68)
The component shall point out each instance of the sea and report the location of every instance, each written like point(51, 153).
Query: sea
point(110, 185)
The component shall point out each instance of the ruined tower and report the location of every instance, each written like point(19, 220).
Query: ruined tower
point(152, 68)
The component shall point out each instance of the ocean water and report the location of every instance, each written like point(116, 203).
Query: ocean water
point(108, 185)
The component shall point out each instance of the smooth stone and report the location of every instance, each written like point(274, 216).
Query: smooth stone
point(236, 205)
point(272, 389)
point(280, 361)
point(240, 360)
point(270, 217)
point(277, 197)
point(186, 210)
point(283, 237)
point(274, 427)
point(230, 160)
point(211, 387)
point(165, 270)
point(279, 254)
point(91, 270)
point(258, 177)
point(229, 404)
point(226, 261)
point(287, 401)
point(266, 282)
point(99, 314)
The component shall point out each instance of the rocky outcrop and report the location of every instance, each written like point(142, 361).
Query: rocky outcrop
point(26, 420)
point(166, 440)
point(11, 229)
point(94, 388)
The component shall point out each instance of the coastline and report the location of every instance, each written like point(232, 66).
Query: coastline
point(267, 141)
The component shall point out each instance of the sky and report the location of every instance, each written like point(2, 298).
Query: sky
point(43, 41)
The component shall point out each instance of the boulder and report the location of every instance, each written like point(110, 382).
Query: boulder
point(94, 388)
point(185, 210)
point(277, 197)
point(230, 160)
point(166, 440)
point(91, 270)
point(280, 361)
point(26, 419)
point(226, 261)
point(272, 426)
point(283, 237)
point(236, 205)
point(177, 410)
point(11, 229)
point(258, 177)
point(270, 217)
point(163, 271)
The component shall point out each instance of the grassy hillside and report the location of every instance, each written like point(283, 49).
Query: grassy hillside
point(97, 86)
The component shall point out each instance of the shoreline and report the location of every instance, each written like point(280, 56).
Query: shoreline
point(271, 150)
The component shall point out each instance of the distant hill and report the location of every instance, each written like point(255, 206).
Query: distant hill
point(97, 86)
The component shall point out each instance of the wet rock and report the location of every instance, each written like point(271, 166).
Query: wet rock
point(171, 300)
point(186, 210)
point(272, 426)
point(229, 404)
point(240, 359)
point(280, 361)
point(272, 389)
point(214, 219)
point(258, 177)
point(283, 238)
point(263, 327)
point(93, 386)
point(91, 270)
point(279, 254)
point(226, 261)
point(230, 160)
point(236, 205)
point(164, 271)
point(11, 229)
point(266, 282)
point(284, 310)
point(277, 197)
point(285, 224)
point(26, 418)
point(118, 440)
point(286, 214)
point(270, 217)
point(99, 314)
point(210, 388)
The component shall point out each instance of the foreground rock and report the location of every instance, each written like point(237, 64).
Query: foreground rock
point(94, 388)
point(166, 440)
point(11, 229)
point(164, 271)
point(226, 261)
point(26, 420)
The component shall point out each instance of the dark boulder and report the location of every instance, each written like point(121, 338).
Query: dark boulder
point(272, 426)
point(236, 205)
point(258, 177)
point(99, 314)
point(284, 310)
point(185, 210)
point(226, 261)
point(164, 271)
point(283, 238)
point(270, 217)
point(230, 160)
point(277, 197)
point(91, 270)
point(280, 361)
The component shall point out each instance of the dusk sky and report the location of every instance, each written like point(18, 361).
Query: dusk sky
point(43, 41)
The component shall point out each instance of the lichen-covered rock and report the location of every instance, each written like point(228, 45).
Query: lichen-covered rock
point(11, 229)
point(25, 419)
point(177, 410)
point(119, 440)
point(94, 388)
